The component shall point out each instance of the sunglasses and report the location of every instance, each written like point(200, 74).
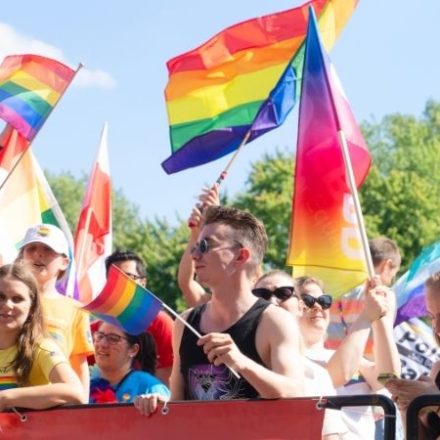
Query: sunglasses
point(203, 247)
point(282, 293)
point(325, 301)
point(111, 338)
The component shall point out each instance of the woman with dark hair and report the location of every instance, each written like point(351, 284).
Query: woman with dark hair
point(33, 371)
point(125, 366)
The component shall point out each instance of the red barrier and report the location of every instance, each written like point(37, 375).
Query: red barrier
point(231, 420)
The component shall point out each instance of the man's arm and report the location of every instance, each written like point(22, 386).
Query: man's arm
point(192, 291)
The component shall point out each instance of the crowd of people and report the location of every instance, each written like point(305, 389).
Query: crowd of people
point(264, 335)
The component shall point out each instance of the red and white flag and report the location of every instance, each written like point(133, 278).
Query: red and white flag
point(93, 236)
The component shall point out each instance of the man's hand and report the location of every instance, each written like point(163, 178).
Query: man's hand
point(221, 349)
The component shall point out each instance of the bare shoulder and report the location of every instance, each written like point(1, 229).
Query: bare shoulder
point(275, 318)
point(435, 369)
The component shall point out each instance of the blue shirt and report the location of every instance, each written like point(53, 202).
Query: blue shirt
point(132, 385)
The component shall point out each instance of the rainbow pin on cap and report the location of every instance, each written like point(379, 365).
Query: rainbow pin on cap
point(50, 235)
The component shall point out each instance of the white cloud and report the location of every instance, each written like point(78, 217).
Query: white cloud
point(12, 43)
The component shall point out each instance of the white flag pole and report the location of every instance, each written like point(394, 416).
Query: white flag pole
point(357, 205)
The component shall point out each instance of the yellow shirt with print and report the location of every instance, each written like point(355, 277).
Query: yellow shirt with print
point(46, 356)
point(68, 325)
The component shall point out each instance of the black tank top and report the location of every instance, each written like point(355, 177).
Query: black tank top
point(205, 381)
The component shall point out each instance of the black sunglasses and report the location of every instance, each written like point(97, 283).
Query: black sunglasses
point(282, 293)
point(203, 247)
point(325, 301)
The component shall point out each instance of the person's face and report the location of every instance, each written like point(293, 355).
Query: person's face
point(112, 350)
point(432, 300)
point(216, 254)
point(275, 281)
point(44, 262)
point(15, 304)
point(388, 272)
point(315, 317)
point(129, 267)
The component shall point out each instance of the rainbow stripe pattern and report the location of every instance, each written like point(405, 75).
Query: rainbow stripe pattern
point(8, 382)
point(30, 86)
point(125, 304)
point(244, 79)
point(325, 240)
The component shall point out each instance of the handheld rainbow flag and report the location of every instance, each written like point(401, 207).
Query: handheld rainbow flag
point(30, 86)
point(26, 200)
point(243, 80)
point(324, 233)
point(409, 288)
point(124, 303)
point(93, 236)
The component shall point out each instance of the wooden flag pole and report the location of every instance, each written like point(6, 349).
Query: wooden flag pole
point(357, 205)
point(224, 173)
point(80, 66)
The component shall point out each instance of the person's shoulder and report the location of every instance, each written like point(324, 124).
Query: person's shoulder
point(48, 346)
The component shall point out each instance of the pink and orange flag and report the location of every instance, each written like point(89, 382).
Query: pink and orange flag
point(324, 233)
point(93, 236)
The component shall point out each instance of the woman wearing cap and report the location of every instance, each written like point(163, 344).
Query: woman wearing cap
point(34, 373)
point(45, 251)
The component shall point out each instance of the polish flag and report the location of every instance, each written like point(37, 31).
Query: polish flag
point(93, 236)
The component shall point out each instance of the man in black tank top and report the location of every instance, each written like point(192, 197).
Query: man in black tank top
point(240, 333)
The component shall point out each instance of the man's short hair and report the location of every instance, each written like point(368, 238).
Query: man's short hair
point(382, 249)
point(119, 256)
point(249, 231)
point(303, 281)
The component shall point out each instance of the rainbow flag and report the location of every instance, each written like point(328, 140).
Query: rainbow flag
point(324, 234)
point(26, 199)
point(410, 287)
point(30, 86)
point(244, 79)
point(124, 303)
point(93, 235)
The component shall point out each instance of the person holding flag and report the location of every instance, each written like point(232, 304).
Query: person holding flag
point(255, 339)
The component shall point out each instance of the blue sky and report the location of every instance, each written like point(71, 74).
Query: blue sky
point(387, 60)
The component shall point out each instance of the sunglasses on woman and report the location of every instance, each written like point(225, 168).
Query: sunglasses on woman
point(325, 301)
point(282, 293)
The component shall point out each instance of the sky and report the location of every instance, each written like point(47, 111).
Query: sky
point(387, 59)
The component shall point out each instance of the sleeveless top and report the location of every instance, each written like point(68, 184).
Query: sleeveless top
point(205, 381)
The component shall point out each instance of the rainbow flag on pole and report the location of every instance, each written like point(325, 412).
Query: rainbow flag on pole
point(125, 303)
point(245, 78)
point(26, 200)
point(30, 86)
point(324, 233)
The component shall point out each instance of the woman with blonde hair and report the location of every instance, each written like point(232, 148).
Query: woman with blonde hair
point(33, 371)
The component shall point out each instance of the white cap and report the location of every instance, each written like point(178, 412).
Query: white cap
point(49, 235)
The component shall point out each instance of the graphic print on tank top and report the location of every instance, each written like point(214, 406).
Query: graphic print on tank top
point(210, 382)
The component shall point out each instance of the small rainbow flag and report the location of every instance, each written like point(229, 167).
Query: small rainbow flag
point(30, 86)
point(245, 79)
point(125, 304)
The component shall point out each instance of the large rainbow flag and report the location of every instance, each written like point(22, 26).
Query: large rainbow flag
point(30, 86)
point(244, 79)
point(324, 233)
point(125, 303)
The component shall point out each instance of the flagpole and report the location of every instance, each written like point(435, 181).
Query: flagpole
point(191, 328)
point(80, 66)
point(224, 173)
point(357, 205)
